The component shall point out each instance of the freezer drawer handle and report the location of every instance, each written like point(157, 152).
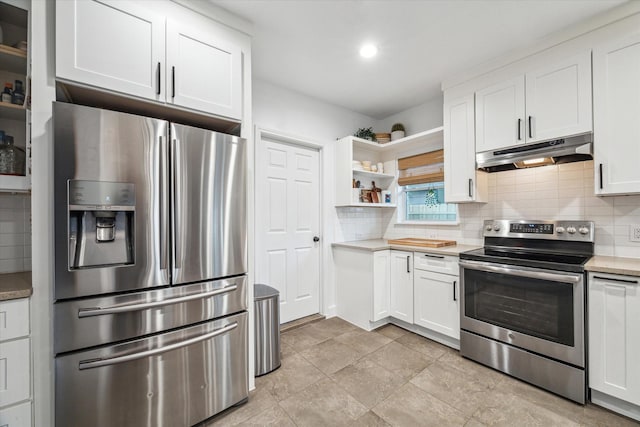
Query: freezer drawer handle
point(100, 311)
point(98, 363)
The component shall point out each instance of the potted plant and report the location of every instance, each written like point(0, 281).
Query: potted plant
point(397, 131)
point(365, 133)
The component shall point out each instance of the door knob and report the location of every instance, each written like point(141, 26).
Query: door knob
point(316, 239)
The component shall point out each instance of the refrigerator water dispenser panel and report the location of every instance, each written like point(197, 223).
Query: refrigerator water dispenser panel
point(101, 224)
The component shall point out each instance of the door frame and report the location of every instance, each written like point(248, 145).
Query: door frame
point(261, 134)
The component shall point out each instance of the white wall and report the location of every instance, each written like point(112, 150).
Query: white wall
point(416, 119)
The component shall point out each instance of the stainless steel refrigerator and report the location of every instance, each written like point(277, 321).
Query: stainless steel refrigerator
point(150, 321)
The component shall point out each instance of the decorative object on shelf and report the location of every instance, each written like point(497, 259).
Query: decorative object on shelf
point(366, 165)
point(22, 45)
point(7, 94)
point(18, 94)
point(380, 167)
point(365, 133)
point(383, 138)
point(374, 168)
point(397, 131)
point(375, 193)
point(387, 196)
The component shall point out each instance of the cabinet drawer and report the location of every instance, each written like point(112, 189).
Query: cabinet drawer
point(16, 416)
point(14, 371)
point(14, 319)
point(437, 263)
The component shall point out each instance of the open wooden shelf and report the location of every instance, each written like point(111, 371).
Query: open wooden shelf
point(12, 111)
point(432, 135)
point(13, 60)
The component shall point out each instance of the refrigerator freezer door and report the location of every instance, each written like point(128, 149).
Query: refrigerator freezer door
point(90, 322)
point(105, 149)
point(178, 378)
point(209, 204)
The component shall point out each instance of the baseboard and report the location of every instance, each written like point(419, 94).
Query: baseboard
point(616, 405)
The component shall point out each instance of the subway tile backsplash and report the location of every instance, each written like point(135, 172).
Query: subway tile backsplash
point(15, 233)
point(550, 192)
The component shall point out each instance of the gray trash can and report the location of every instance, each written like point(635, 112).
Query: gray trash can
point(267, 328)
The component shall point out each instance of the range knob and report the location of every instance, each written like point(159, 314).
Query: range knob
point(583, 230)
point(559, 230)
point(489, 227)
point(571, 230)
point(496, 227)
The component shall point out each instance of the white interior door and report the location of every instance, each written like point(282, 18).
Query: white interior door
point(287, 220)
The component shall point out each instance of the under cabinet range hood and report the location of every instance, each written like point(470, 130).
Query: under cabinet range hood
point(572, 149)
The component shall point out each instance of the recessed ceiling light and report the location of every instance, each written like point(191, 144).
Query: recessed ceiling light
point(368, 50)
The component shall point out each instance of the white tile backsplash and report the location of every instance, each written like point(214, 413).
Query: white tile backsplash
point(15, 233)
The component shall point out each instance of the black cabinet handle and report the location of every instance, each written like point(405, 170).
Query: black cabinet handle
point(615, 280)
point(408, 256)
point(434, 256)
point(470, 187)
point(600, 168)
point(454, 290)
point(173, 82)
point(519, 126)
point(158, 79)
point(530, 130)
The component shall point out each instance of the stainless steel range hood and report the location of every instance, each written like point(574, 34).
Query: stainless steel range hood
point(572, 149)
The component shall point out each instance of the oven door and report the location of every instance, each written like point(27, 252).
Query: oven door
point(537, 310)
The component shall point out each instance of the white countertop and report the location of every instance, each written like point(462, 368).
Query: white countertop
point(382, 244)
point(614, 265)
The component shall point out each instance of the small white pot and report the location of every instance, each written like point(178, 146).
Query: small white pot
point(397, 134)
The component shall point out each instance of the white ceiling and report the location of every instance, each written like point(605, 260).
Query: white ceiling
point(311, 46)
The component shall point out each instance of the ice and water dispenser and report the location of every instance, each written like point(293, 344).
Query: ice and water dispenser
point(101, 224)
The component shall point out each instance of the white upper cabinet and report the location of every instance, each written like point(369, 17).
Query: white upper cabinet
point(463, 183)
point(616, 115)
point(117, 45)
point(558, 99)
point(499, 115)
point(205, 70)
point(550, 102)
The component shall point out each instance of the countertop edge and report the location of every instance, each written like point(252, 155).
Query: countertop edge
point(15, 286)
point(614, 265)
point(381, 245)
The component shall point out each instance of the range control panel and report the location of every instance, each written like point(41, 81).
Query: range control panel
point(555, 230)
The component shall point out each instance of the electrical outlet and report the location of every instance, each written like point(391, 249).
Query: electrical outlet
point(634, 233)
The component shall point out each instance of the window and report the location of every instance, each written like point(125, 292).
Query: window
point(425, 203)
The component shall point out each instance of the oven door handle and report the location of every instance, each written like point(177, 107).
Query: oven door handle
point(101, 311)
point(98, 363)
point(511, 271)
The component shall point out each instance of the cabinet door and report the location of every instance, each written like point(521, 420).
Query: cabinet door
point(381, 285)
point(14, 371)
point(614, 336)
point(500, 115)
point(204, 69)
point(436, 304)
point(558, 99)
point(401, 304)
point(616, 109)
point(115, 45)
point(16, 416)
point(462, 183)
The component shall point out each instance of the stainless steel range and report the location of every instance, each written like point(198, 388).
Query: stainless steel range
point(523, 302)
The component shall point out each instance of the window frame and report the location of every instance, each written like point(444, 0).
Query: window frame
point(402, 209)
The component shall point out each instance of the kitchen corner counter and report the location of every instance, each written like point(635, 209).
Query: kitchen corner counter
point(15, 285)
point(614, 265)
point(382, 244)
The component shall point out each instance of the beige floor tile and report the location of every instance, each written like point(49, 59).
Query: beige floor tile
point(507, 409)
point(400, 360)
point(410, 406)
point(369, 420)
point(363, 342)
point(295, 374)
point(334, 326)
point(323, 404)
point(422, 345)
point(391, 331)
point(286, 350)
point(595, 416)
point(453, 387)
point(368, 382)
point(475, 423)
point(302, 338)
point(489, 377)
point(259, 400)
point(274, 416)
point(330, 356)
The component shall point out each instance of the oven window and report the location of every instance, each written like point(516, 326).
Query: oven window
point(535, 307)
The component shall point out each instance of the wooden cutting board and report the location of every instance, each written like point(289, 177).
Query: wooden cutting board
point(427, 243)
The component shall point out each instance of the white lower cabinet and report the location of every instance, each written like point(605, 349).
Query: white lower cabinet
point(15, 364)
point(401, 303)
point(381, 285)
point(614, 336)
point(436, 302)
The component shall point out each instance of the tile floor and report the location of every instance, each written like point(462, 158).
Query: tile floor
point(335, 374)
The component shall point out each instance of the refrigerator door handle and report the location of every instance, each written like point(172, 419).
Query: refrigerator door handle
point(93, 363)
point(164, 207)
point(100, 311)
point(176, 174)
